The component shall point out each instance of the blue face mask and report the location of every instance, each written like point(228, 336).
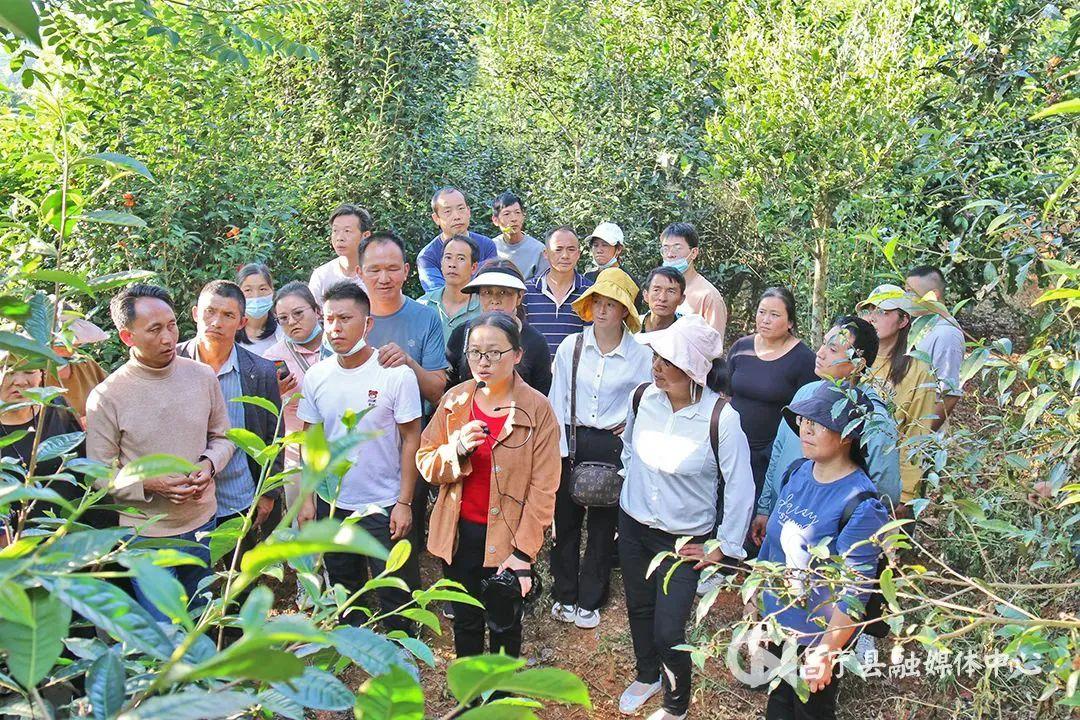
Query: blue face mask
point(610, 263)
point(257, 307)
point(360, 345)
point(680, 264)
point(314, 333)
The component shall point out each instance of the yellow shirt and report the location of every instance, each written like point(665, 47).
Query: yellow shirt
point(914, 400)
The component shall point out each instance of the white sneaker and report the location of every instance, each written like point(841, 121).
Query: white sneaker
point(663, 714)
point(636, 695)
point(564, 613)
point(717, 579)
point(587, 619)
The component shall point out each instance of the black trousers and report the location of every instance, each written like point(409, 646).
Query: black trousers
point(470, 622)
point(577, 581)
point(352, 571)
point(657, 618)
point(784, 704)
point(759, 465)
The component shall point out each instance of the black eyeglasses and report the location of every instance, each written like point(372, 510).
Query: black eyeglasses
point(492, 356)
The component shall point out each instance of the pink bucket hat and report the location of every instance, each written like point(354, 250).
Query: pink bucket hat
point(690, 344)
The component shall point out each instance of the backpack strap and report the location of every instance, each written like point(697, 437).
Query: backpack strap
point(853, 505)
point(579, 343)
point(638, 392)
point(791, 470)
point(714, 431)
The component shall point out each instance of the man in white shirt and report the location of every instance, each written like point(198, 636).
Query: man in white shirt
point(349, 225)
point(380, 484)
point(943, 343)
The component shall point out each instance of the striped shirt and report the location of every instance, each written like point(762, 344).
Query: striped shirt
point(554, 320)
point(235, 486)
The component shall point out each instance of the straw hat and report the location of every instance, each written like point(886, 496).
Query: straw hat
point(689, 343)
point(899, 299)
point(615, 284)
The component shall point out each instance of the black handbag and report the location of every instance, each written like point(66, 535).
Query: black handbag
point(592, 484)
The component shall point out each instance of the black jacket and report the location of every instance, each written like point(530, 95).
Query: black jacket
point(258, 378)
point(534, 368)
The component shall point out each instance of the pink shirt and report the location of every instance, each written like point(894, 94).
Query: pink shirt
point(280, 351)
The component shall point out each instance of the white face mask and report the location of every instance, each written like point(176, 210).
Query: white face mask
point(360, 345)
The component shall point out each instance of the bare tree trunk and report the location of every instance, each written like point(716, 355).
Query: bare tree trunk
point(822, 225)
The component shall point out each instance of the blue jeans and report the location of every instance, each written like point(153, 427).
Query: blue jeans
point(189, 575)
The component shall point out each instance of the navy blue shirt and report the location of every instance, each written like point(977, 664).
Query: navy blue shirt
point(806, 512)
point(554, 321)
point(429, 261)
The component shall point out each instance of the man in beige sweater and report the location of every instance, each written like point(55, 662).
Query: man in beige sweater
point(158, 403)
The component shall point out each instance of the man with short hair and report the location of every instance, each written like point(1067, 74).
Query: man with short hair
point(405, 332)
point(679, 248)
point(452, 214)
point(525, 251)
point(943, 343)
point(665, 289)
point(458, 266)
point(158, 403)
point(548, 297)
point(380, 483)
point(349, 225)
point(219, 315)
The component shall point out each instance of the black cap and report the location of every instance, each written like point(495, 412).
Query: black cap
point(841, 408)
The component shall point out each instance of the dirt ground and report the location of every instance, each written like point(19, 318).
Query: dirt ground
point(604, 659)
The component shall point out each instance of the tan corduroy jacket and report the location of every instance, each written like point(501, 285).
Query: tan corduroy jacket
point(525, 459)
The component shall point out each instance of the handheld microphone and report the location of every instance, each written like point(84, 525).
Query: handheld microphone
point(480, 384)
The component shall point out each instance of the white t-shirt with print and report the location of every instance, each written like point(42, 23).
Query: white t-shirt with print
point(329, 390)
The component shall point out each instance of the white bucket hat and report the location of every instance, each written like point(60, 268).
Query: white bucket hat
point(689, 343)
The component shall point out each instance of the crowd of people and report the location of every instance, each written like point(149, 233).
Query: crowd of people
point(528, 398)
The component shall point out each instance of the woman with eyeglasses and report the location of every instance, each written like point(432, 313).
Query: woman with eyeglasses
point(261, 331)
point(827, 496)
point(908, 382)
point(501, 289)
point(492, 449)
point(297, 314)
point(683, 441)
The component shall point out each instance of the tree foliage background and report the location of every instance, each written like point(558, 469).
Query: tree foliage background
point(821, 144)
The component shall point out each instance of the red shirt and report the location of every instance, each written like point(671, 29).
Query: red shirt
point(476, 486)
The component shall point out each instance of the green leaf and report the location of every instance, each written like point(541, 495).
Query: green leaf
point(316, 451)
point(105, 685)
point(57, 445)
point(164, 591)
point(500, 711)
point(278, 704)
point(329, 535)
point(318, 690)
point(29, 350)
point(469, 677)
point(398, 555)
point(374, 653)
point(114, 217)
point(1065, 107)
point(259, 402)
point(193, 705)
point(224, 537)
point(248, 661)
point(32, 650)
point(888, 587)
point(116, 160)
point(419, 649)
point(15, 604)
point(115, 612)
point(247, 441)
point(76, 550)
point(70, 279)
point(114, 280)
point(1058, 294)
point(20, 17)
point(152, 466)
point(548, 684)
point(256, 608)
point(392, 696)
point(1036, 409)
